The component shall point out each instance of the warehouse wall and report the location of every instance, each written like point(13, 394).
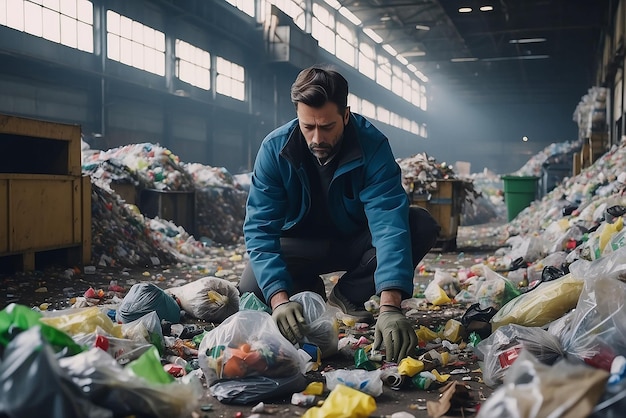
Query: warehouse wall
point(116, 104)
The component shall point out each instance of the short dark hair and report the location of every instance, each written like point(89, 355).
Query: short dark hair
point(317, 85)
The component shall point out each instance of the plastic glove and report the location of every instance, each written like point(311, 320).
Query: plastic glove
point(290, 321)
point(396, 332)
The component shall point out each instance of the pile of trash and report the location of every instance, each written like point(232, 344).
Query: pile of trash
point(488, 204)
point(220, 203)
point(590, 113)
point(534, 166)
point(123, 235)
point(421, 175)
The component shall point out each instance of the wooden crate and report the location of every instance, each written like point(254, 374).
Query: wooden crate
point(39, 147)
point(445, 204)
point(576, 168)
point(597, 146)
point(42, 213)
point(127, 191)
point(585, 156)
point(45, 203)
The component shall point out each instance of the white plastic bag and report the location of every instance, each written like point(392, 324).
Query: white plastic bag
point(321, 327)
point(209, 298)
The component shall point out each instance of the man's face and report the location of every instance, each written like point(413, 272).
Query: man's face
point(322, 127)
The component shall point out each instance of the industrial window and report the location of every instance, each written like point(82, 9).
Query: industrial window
point(293, 8)
point(406, 124)
point(383, 72)
point(368, 109)
point(67, 22)
point(406, 87)
point(382, 114)
point(322, 28)
point(423, 100)
point(354, 102)
point(345, 44)
point(135, 44)
point(415, 93)
point(193, 65)
point(230, 79)
point(396, 80)
point(367, 55)
point(424, 131)
point(415, 128)
point(245, 6)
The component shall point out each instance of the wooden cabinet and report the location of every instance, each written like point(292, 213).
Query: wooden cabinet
point(45, 202)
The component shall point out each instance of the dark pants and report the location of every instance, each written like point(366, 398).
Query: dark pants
point(307, 259)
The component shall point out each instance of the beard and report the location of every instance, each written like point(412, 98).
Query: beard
point(324, 151)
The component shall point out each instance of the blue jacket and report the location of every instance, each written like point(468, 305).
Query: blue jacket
point(366, 190)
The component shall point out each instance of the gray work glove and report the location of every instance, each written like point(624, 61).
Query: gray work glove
point(396, 332)
point(290, 321)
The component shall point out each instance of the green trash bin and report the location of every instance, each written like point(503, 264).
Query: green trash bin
point(519, 191)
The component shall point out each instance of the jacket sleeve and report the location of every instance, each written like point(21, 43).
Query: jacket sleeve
point(265, 216)
point(387, 209)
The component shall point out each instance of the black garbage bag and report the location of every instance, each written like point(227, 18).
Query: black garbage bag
point(255, 389)
point(144, 298)
point(34, 385)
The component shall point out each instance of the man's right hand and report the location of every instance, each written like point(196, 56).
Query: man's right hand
point(289, 318)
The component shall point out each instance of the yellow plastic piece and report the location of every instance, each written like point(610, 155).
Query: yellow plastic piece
point(84, 321)
point(409, 366)
point(343, 402)
point(347, 320)
point(609, 230)
point(426, 334)
point(441, 378)
point(314, 388)
point(442, 297)
point(445, 358)
point(452, 331)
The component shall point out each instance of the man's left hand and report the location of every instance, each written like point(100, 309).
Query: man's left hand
point(395, 331)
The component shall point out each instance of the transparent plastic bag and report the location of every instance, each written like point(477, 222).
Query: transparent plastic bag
point(146, 329)
point(612, 265)
point(598, 328)
point(533, 390)
point(369, 382)
point(82, 321)
point(495, 290)
point(209, 298)
point(501, 349)
point(247, 343)
point(119, 389)
point(121, 349)
point(321, 328)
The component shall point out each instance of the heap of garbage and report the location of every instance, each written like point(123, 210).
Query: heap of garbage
point(487, 205)
point(534, 166)
point(590, 113)
point(123, 235)
point(422, 173)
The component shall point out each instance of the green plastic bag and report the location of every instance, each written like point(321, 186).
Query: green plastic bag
point(17, 318)
point(148, 366)
point(251, 302)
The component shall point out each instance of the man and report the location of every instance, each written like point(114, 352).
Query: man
point(326, 196)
